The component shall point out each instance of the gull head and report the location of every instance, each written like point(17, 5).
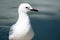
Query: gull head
point(25, 7)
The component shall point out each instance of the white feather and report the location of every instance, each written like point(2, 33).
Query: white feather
point(22, 29)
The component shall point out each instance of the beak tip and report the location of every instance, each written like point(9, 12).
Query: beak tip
point(36, 10)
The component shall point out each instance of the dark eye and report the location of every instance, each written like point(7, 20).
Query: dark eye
point(26, 7)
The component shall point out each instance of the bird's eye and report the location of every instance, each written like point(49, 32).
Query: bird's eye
point(26, 7)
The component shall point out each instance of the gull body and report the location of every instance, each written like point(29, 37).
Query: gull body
point(22, 29)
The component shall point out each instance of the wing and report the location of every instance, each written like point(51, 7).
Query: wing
point(11, 29)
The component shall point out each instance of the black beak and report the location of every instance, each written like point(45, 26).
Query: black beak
point(34, 10)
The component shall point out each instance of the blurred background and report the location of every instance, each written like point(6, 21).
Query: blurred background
point(45, 23)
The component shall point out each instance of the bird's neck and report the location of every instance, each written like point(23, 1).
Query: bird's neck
point(23, 18)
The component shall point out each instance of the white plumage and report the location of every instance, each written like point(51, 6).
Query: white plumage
point(22, 30)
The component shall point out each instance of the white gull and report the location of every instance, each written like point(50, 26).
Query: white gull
point(22, 30)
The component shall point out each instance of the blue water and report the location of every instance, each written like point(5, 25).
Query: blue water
point(44, 30)
point(45, 23)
